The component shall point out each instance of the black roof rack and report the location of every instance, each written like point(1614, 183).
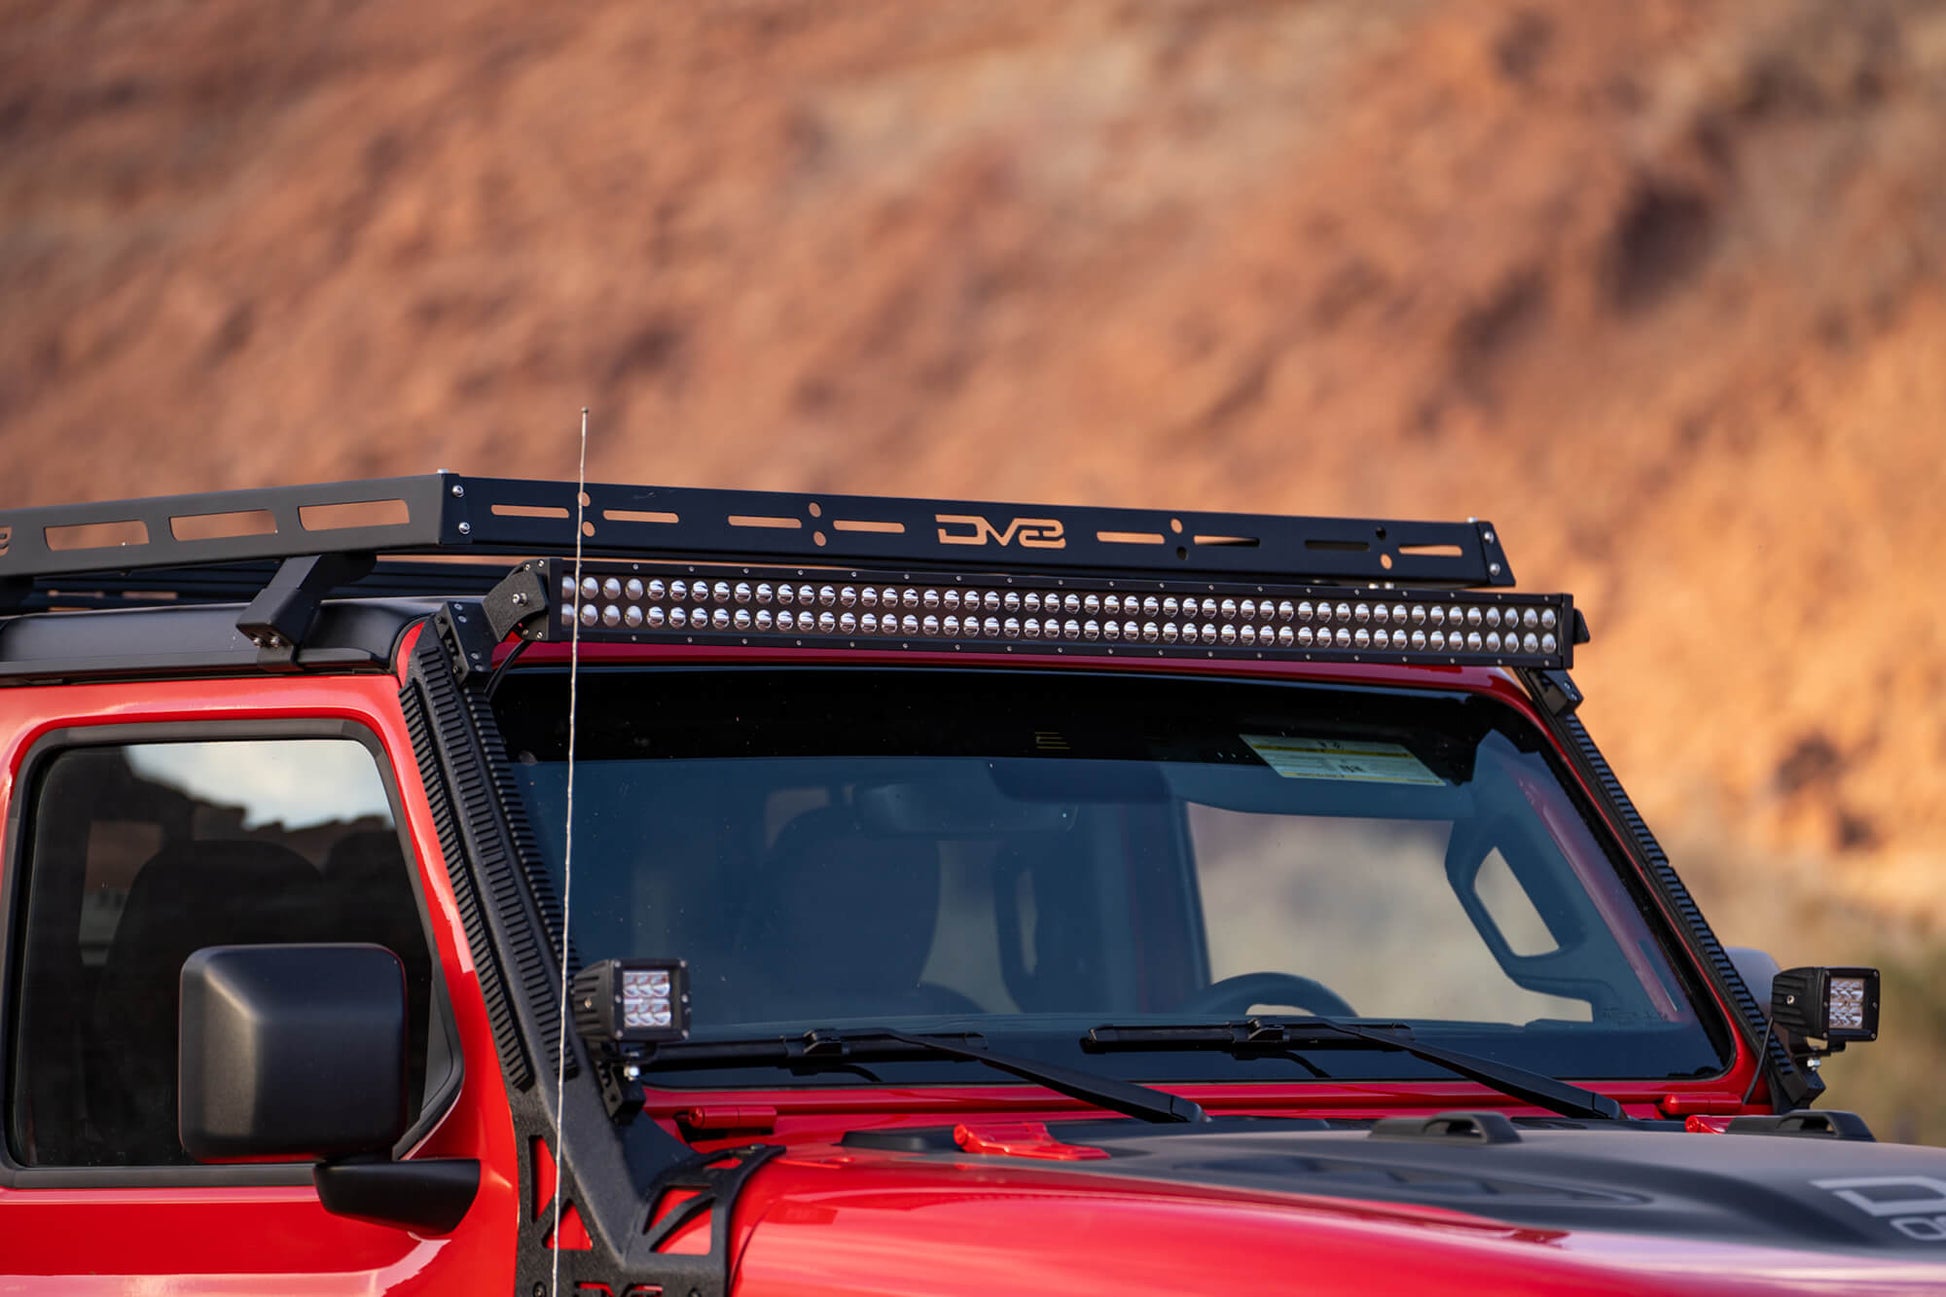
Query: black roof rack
point(223, 545)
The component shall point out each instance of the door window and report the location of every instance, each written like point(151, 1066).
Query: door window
point(141, 854)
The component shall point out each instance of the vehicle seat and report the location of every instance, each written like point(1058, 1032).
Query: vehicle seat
point(187, 896)
point(1066, 973)
point(373, 901)
point(842, 925)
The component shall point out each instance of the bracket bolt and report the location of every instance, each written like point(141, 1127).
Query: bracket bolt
point(520, 598)
point(466, 528)
point(458, 490)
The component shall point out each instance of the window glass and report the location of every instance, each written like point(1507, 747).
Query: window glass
point(1031, 856)
point(142, 854)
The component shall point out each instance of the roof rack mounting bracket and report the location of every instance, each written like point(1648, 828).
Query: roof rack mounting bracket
point(467, 637)
point(1555, 690)
point(283, 613)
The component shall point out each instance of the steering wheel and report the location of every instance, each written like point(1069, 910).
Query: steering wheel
point(1235, 995)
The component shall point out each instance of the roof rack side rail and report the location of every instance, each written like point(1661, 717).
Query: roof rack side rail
point(383, 515)
point(449, 512)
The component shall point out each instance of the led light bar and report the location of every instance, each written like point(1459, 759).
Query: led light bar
point(829, 608)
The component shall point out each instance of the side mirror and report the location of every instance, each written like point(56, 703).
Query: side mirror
point(292, 1051)
point(299, 1052)
point(1757, 968)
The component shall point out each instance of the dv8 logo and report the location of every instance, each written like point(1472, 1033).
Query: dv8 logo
point(1915, 1205)
point(1028, 533)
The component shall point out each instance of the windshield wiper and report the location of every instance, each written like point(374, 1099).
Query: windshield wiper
point(1281, 1036)
point(825, 1046)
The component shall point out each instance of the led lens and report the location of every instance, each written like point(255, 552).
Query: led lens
point(645, 999)
point(1846, 999)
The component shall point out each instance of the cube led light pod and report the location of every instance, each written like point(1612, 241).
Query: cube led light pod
point(1835, 1005)
point(632, 1002)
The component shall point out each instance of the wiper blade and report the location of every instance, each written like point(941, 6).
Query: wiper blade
point(826, 1046)
point(1280, 1035)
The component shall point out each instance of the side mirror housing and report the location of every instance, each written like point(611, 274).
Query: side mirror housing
point(1757, 968)
point(291, 1051)
point(297, 1051)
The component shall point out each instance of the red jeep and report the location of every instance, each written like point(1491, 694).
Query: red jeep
point(460, 885)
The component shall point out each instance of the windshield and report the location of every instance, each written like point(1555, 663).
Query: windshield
point(1029, 854)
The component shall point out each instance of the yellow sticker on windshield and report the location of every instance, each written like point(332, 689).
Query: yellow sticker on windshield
point(1364, 761)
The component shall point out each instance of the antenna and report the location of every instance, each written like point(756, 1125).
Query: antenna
point(567, 868)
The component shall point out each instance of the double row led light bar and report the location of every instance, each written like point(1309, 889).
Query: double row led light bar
point(811, 607)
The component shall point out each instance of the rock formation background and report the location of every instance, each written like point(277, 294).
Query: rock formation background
point(1656, 287)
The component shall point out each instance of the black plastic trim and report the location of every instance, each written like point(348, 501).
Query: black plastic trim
point(1459, 1127)
point(202, 639)
point(435, 719)
point(439, 1097)
point(1790, 1087)
point(431, 1194)
point(1805, 1123)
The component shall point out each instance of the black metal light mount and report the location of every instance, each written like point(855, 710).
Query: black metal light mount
point(1835, 1005)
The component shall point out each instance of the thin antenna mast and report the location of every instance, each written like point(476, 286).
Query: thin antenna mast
point(567, 868)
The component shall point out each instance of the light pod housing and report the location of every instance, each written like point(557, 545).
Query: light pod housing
point(1835, 1005)
point(621, 1002)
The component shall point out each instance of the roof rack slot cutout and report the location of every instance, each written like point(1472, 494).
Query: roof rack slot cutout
point(530, 511)
point(97, 535)
point(223, 526)
point(343, 515)
point(640, 515)
point(868, 525)
point(1132, 538)
point(1433, 551)
point(766, 521)
point(1234, 542)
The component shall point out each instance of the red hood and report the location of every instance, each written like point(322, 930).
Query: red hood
point(829, 1219)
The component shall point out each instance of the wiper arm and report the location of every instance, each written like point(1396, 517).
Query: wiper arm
point(825, 1046)
point(1266, 1035)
